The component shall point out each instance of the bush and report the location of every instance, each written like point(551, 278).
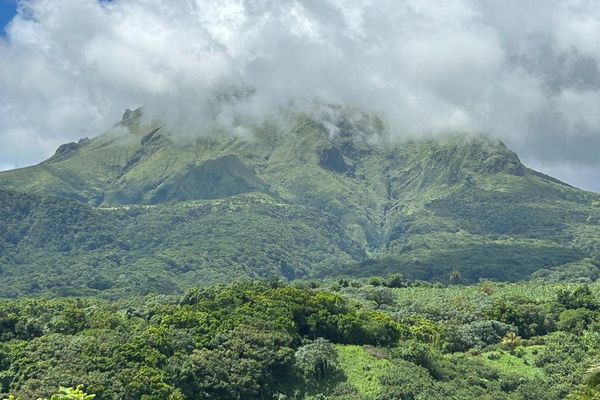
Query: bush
point(316, 359)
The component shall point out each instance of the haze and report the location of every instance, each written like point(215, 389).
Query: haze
point(526, 72)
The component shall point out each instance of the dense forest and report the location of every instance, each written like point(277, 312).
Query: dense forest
point(137, 210)
point(382, 338)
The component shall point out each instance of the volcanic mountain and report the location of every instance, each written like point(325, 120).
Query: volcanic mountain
point(141, 209)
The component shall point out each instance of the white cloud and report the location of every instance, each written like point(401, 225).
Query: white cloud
point(524, 71)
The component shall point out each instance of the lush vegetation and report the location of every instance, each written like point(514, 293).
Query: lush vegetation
point(112, 252)
point(382, 339)
point(150, 212)
point(52, 246)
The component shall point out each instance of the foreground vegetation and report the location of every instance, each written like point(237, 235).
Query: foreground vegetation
point(381, 339)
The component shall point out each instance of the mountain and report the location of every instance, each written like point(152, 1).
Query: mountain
point(139, 208)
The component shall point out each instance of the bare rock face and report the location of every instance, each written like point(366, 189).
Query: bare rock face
point(67, 149)
point(333, 160)
point(130, 115)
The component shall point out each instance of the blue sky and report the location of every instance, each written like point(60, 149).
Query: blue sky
point(8, 9)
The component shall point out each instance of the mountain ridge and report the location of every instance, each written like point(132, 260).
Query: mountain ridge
point(421, 207)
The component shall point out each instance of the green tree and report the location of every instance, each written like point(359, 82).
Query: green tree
point(580, 297)
point(317, 358)
point(575, 321)
point(511, 341)
point(72, 394)
point(396, 281)
point(454, 276)
point(380, 295)
point(590, 390)
point(65, 394)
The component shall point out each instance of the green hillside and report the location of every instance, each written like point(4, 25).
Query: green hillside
point(50, 245)
point(252, 340)
point(141, 209)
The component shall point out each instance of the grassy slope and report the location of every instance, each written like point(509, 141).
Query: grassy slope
point(362, 369)
point(510, 364)
point(424, 208)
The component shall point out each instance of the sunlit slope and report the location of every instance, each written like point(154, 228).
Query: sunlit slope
point(423, 207)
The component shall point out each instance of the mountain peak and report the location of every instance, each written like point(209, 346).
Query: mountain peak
point(333, 152)
point(129, 115)
point(421, 207)
point(68, 149)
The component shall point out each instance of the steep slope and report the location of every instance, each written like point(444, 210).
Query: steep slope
point(315, 197)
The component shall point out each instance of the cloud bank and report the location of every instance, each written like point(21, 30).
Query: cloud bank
point(527, 72)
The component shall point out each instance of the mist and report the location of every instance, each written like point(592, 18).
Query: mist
point(525, 72)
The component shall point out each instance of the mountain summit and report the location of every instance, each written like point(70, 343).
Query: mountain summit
point(311, 197)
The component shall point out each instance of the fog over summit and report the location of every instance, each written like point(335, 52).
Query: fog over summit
point(526, 72)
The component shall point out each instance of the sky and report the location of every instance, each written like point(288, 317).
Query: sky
point(527, 72)
point(8, 9)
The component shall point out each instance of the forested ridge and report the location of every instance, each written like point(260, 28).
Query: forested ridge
point(140, 209)
point(384, 338)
